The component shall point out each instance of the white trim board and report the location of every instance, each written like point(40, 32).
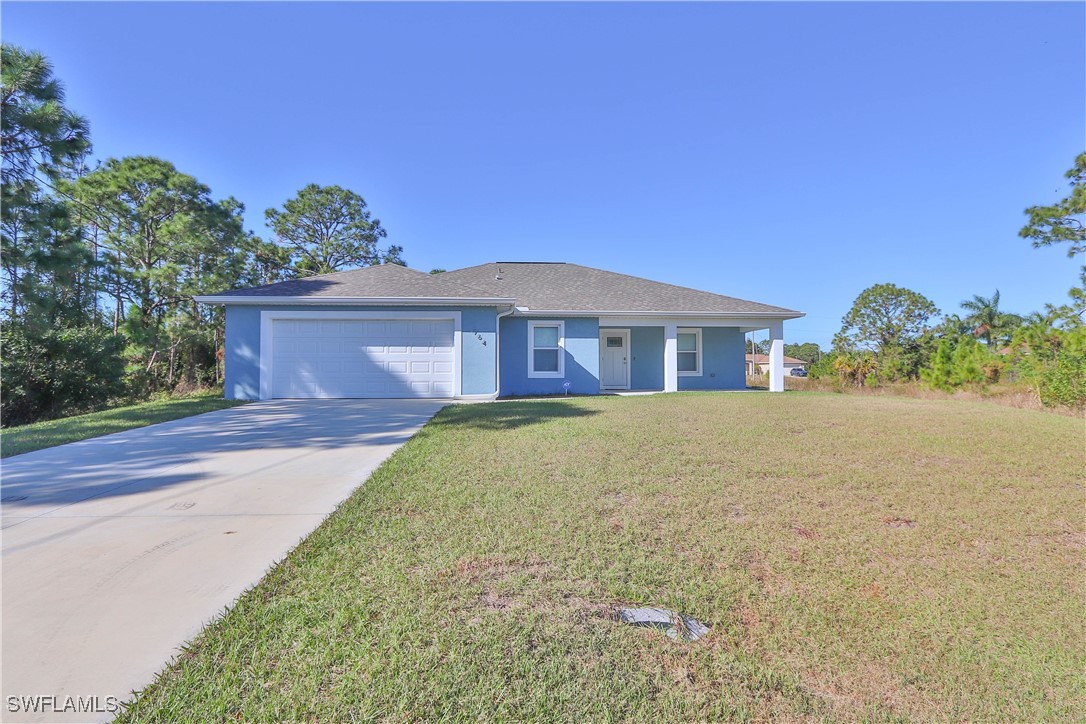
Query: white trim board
point(696, 331)
point(628, 314)
point(268, 316)
point(532, 324)
point(748, 323)
point(390, 301)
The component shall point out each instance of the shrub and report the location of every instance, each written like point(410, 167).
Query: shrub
point(1052, 360)
point(823, 367)
point(1063, 380)
point(63, 371)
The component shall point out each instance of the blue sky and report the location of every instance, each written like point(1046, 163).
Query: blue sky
point(788, 153)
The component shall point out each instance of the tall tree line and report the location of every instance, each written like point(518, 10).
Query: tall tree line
point(99, 264)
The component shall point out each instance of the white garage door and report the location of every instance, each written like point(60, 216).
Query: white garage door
point(362, 358)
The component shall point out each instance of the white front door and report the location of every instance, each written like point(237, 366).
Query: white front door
point(615, 359)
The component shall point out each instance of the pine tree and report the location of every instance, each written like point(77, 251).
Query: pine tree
point(42, 142)
point(940, 373)
point(165, 240)
point(967, 366)
point(326, 229)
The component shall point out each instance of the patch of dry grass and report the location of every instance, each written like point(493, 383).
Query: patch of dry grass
point(856, 557)
point(1018, 396)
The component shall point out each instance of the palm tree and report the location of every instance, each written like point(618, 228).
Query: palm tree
point(987, 322)
point(855, 367)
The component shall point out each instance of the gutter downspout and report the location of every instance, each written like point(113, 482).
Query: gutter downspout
point(498, 351)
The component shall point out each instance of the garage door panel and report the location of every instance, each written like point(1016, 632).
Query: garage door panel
point(362, 358)
point(442, 338)
point(281, 346)
point(384, 388)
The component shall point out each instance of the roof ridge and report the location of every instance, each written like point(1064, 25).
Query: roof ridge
point(678, 286)
point(482, 292)
point(603, 277)
point(469, 286)
point(459, 284)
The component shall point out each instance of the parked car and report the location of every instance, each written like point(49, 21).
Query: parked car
point(798, 372)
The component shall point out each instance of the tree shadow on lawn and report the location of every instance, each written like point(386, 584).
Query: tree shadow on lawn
point(182, 453)
point(509, 415)
point(179, 452)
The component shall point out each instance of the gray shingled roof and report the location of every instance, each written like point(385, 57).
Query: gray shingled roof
point(536, 286)
point(571, 287)
point(374, 282)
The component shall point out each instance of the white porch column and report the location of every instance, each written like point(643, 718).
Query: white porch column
point(776, 356)
point(671, 358)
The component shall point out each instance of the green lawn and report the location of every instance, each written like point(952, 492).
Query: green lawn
point(876, 558)
point(40, 435)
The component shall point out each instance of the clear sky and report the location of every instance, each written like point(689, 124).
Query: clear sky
point(793, 154)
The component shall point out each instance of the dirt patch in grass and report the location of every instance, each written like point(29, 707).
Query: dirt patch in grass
point(497, 568)
point(1067, 539)
point(493, 600)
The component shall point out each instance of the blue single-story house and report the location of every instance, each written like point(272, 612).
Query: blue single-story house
point(499, 329)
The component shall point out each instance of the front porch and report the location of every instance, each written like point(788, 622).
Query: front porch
point(589, 355)
point(653, 355)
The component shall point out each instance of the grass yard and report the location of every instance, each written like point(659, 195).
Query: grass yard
point(856, 557)
point(40, 435)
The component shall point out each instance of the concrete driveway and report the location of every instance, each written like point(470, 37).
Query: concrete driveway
point(117, 550)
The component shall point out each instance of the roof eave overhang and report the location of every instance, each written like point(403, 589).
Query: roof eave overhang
point(787, 314)
point(390, 301)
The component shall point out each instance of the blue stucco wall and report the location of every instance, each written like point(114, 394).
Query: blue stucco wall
point(479, 350)
point(647, 351)
point(242, 353)
point(721, 361)
point(722, 357)
point(582, 358)
point(478, 346)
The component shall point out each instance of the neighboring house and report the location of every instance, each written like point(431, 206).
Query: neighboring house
point(761, 361)
point(499, 329)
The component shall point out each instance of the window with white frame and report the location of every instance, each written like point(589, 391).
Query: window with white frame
point(689, 352)
point(546, 342)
